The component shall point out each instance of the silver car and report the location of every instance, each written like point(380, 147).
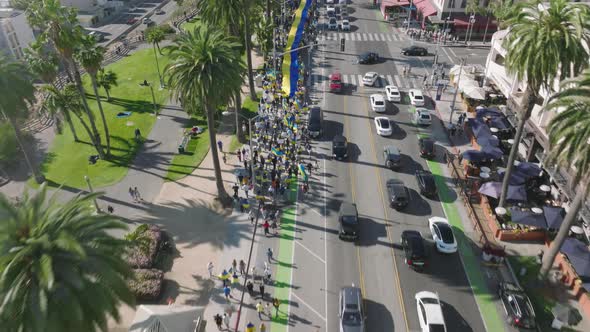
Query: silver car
point(350, 310)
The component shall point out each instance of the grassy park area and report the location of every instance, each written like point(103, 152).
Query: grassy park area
point(67, 161)
point(195, 151)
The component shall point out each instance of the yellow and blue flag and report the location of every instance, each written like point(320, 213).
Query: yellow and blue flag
point(302, 172)
point(277, 152)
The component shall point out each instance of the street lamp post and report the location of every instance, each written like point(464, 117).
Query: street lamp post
point(456, 91)
point(158, 68)
point(92, 191)
point(146, 83)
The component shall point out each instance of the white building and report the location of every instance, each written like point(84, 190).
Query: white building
point(15, 33)
point(91, 12)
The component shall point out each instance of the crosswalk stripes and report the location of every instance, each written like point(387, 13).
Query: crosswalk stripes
point(370, 37)
point(389, 80)
point(352, 81)
point(384, 80)
point(365, 36)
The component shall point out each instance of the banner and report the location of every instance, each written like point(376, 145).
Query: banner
point(290, 68)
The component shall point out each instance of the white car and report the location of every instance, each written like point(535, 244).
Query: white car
point(370, 78)
point(378, 103)
point(383, 126)
point(430, 312)
point(330, 9)
point(416, 97)
point(345, 25)
point(442, 234)
point(330, 2)
point(422, 117)
point(332, 24)
point(393, 93)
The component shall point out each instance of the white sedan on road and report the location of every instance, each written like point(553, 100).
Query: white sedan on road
point(345, 25)
point(442, 234)
point(422, 117)
point(370, 78)
point(383, 126)
point(416, 97)
point(393, 93)
point(430, 312)
point(377, 103)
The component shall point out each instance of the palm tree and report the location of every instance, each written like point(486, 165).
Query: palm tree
point(61, 268)
point(61, 28)
point(107, 80)
point(263, 28)
point(90, 57)
point(543, 44)
point(18, 93)
point(569, 140)
point(502, 10)
point(155, 36)
point(205, 69)
point(235, 16)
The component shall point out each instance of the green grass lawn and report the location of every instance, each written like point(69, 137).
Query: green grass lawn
point(67, 162)
point(195, 151)
point(189, 25)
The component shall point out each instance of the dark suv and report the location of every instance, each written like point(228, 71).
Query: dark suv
point(314, 124)
point(517, 305)
point(339, 147)
point(426, 183)
point(414, 250)
point(349, 221)
point(414, 50)
point(368, 58)
point(350, 310)
point(426, 147)
point(398, 194)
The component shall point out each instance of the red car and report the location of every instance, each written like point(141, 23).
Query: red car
point(336, 82)
point(132, 20)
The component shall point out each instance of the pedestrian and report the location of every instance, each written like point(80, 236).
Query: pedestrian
point(235, 187)
point(269, 254)
point(110, 209)
point(242, 267)
point(250, 327)
point(259, 309)
point(276, 303)
point(227, 292)
point(250, 287)
point(235, 280)
point(246, 188)
point(218, 321)
point(210, 269)
point(132, 194)
point(267, 310)
point(234, 265)
point(262, 327)
point(224, 158)
point(137, 195)
point(137, 134)
point(220, 145)
point(239, 154)
point(261, 287)
point(310, 167)
point(226, 320)
point(251, 214)
point(266, 227)
point(224, 277)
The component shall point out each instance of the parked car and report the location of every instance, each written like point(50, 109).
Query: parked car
point(350, 310)
point(414, 50)
point(330, 11)
point(159, 12)
point(340, 147)
point(378, 103)
point(336, 82)
point(393, 93)
point(414, 249)
point(348, 219)
point(392, 157)
point(426, 183)
point(517, 305)
point(442, 234)
point(131, 20)
point(314, 123)
point(148, 21)
point(368, 58)
point(345, 24)
point(383, 126)
point(426, 147)
point(398, 194)
point(430, 312)
point(416, 97)
point(370, 78)
point(422, 117)
point(97, 36)
point(332, 23)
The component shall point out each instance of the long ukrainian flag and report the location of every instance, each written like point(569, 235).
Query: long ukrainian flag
point(290, 67)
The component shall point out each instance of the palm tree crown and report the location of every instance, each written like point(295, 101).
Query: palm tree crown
point(61, 270)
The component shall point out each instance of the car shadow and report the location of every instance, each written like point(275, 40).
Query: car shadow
point(378, 317)
point(418, 206)
point(454, 320)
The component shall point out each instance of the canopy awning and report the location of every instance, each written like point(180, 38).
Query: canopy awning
point(527, 218)
point(578, 254)
point(553, 216)
point(425, 7)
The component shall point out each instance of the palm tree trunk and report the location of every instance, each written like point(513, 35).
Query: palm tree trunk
point(221, 193)
point(96, 139)
point(108, 94)
point(66, 114)
point(572, 215)
point(517, 139)
point(85, 125)
point(247, 41)
point(238, 106)
point(39, 178)
point(267, 8)
point(104, 120)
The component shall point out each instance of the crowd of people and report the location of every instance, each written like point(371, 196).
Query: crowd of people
point(280, 155)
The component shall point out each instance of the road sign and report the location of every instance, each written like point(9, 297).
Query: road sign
point(472, 20)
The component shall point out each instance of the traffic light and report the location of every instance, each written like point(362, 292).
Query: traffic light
point(341, 44)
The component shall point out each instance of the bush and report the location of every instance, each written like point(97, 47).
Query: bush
point(147, 284)
point(145, 242)
point(167, 29)
point(8, 145)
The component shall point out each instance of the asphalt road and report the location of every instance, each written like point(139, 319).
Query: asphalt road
point(375, 262)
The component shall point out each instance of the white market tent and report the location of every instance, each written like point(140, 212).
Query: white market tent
point(166, 318)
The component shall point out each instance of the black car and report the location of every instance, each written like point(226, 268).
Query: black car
point(414, 50)
point(517, 305)
point(426, 147)
point(426, 183)
point(339, 147)
point(368, 58)
point(414, 249)
point(349, 221)
point(314, 123)
point(398, 194)
point(392, 157)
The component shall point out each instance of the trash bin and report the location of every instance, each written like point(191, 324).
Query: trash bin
point(181, 149)
point(258, 80)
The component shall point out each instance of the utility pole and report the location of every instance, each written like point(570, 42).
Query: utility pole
point(456, 91)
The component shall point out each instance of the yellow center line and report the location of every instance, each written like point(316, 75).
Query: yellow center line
point(353, 194)
point(386, 214)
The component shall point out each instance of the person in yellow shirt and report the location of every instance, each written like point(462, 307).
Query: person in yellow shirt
point(259, 309)
point(250, 327)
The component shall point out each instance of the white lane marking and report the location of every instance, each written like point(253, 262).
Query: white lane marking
point(311, 252)
point(352, 37)
point(345, 79)
point(352, 80)
point(382, 37)
point(453, 52)
point(389, 80)
point(370, 37)
point(376, 36)
point(346, 37)
point(358, 36)
point(360, 77)
point(388, 37)
point(448, 56)
point(399, 83)
point(325, 245)
point(310, 308)
point(415, 84)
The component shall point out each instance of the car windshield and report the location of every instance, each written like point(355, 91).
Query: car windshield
point(349, 219)
point(428, 181)
point(351, 319)
point(384, 123)
point(446, 233)
point(425, 116)
point(429, 300)
point(436, 328)
point(418, 97)
point(339, 145)
point(336, 81)
point(379, 102)
point(332, 20)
